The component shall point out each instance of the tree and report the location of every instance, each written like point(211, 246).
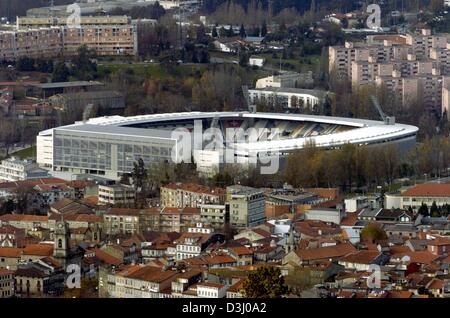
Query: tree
point(60, 73)
point(264, 29)
point(214, 33)
point(139, 177)
point(434, 210)
point(423, 210)
point(373, 232)
point(85, 68)
point(266, 282)
point(242, 32)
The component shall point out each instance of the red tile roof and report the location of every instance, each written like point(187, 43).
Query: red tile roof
point(10, 252)
point(429, 190)
point(38, 250)
point(24, 218)
point(326, 252)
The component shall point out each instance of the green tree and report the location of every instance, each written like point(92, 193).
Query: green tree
point(423, 210)
point(434, 210)
point(264, 29)
point(242, 31)
point(214, 33)
point(61, 73)
point(85, 68)
point(139, 177)
point(373, 232)
point(266, 282)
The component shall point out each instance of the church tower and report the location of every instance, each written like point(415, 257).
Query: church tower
point(290, 241)
point(61, 245)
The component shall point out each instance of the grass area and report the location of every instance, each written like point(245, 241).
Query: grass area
point(25, 153)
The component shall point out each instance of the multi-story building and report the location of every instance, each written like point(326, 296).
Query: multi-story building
point(426, 193)
point(116, 194)
point(412, 67)
point(182, 195)
point(191, 245)
point(14, 169)
point(25, 221)
point(42, 42)
point(50, 37)
point(7, 286)
point(214, 214)
point(211, 290)
point(246, 206)
point(137, 281)
point(178, 220)
point(121, 221)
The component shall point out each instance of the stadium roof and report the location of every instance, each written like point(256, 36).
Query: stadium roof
point(363, 132)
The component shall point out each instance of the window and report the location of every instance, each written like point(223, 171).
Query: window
point(60, 243)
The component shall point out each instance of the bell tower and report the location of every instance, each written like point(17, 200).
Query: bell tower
point(61, 236)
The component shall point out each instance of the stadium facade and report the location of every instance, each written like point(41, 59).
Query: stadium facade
point(109, 146)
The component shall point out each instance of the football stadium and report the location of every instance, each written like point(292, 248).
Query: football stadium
point(109, 146)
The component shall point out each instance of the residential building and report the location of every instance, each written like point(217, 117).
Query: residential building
point(14, 169)
point(181, 195)
point(256, 61)
point(282, 201)
point(191, 245)
point(426, 193)
point(211, 290)
point(25, 221)
point(121, 220)
point(412, 67)
point(116, 194)
point(214, 214)
point(7, 285)
point(137, 281)
point(10, 257)
point(326, 215)
point(246, 206)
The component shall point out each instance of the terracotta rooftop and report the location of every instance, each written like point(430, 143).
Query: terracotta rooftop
point(150, 274)
point(10, 252)
point(38, 249)
point(23, 218)
point(361, 257)
point(325, 252)
point(429, 190)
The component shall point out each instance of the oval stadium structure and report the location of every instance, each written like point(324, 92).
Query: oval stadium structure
point(110, 145)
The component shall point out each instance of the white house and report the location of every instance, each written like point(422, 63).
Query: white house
point(211, 290)
point(256, 61)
